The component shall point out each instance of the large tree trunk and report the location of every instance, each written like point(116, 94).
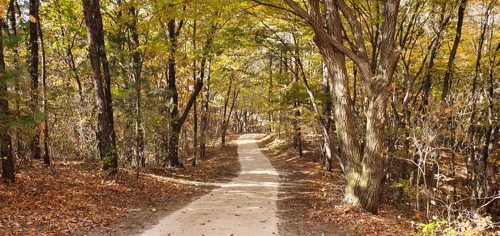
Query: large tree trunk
point(102, 85)
point(33, 42)
point(7, 159)
point(364, 163)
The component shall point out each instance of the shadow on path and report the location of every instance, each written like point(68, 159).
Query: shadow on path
point(245, 206)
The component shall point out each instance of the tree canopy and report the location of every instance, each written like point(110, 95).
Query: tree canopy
point(401, 93)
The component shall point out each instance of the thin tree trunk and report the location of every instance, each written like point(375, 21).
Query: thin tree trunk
point(74, 71)
point(173, 98)
point(177, 120)
point(458, 34)
point(226, 121)
point(136, 73)
point(477, 186)
point(205, 114)
point(492, 138)
point(270, 94)
point(326, 120)
point(297, 136)
point(224, 113)
point(45, 126)
point(195, 114)
point(13, 16)
point(7, 158)
point(434, 47)
point(34, 51)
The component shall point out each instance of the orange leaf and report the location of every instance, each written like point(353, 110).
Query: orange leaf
point(41, 126)
point(33, 19)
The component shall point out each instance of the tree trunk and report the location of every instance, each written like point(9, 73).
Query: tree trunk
point(13, 16)
point(224, 113)
point(136, 74)
point(204, 115)
point(112, 166)
point(195, 112)
point(7, 159)
point(327, 121)
point(45, 126)
point(102, 82)
point(453, 53)
point(33, 42)
point(297, 135)
point(177, 120)
point(474, 131)
point(364, 164)
point(173, 98)
point(270, 95)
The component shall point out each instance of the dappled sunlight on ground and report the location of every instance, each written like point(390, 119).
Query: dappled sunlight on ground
point(245, 206)
point(310, 199)
point(72, 198)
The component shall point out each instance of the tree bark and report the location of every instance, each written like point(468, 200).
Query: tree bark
point(224, 113)
point(453, 53)
point(195, 112)
point(13, 17)
point(227, 116)
point(6, 156)
point(297, 135)
point(136, 76)
point(327, 121)
point(176, 119)
point(102, 81)
point(34, 51)
point(45, 125)
point(173, 98)
point(364, 164)
point(205, 115)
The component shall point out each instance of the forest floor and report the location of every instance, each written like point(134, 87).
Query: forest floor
point(72, 198)
point(310, 198)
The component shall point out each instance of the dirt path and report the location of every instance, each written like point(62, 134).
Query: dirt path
point(245, 206)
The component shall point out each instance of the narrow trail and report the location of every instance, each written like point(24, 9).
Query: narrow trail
point(245, 206)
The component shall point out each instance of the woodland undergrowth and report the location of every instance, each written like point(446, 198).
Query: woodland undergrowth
point(320, 193)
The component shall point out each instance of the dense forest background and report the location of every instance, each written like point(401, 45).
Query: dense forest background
point(154, 83)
